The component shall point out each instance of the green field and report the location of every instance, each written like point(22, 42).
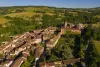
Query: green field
point(97, 46)
point(2, 20)
point(27, 14)
point(23, 14)
point(97, 16)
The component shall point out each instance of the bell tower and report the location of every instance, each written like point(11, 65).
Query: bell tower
point(65, 24)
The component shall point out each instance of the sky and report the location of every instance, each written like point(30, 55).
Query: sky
point(56, 3)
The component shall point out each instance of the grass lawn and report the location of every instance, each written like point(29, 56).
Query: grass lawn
point(97, 46)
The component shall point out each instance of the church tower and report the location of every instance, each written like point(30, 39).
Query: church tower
point(65, 24)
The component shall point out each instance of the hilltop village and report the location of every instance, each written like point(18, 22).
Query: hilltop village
point(45, 36)
point(22, 44)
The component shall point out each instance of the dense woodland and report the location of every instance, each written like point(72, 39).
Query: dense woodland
point(70, 45)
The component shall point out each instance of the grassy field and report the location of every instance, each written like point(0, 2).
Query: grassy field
point(32, 9)
point(29, 9)
point(23, 14)
point(97, 46)
point(51, 14)
point(97, 16)
point(2, 20)
point(74, 13)
point(95, 25)
point(27, 14)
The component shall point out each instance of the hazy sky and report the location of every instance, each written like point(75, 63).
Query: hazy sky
point(57, 3)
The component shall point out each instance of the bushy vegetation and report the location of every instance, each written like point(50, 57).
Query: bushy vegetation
point(63, 50)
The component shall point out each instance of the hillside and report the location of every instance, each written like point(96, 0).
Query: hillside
point(97, 46)
point(23, 14)
point(31, 11)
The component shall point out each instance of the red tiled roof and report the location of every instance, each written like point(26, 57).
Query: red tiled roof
point(42, 64)
point(38, 51)
point(17, 62)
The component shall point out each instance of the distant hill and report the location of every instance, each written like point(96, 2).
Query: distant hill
point(29, 11)
point(97, 7)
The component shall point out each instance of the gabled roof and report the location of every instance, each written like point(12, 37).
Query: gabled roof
point(48, 64)
point(17, 62)
point(39, 49)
